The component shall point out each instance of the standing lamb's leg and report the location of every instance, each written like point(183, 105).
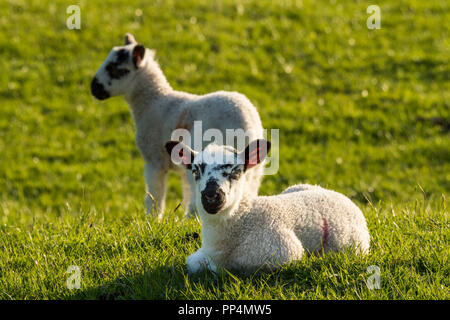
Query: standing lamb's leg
point(156, 180)
point(188, 193)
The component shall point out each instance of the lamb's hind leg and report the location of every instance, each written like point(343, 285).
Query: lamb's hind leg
point(156, 180)
point(267, 249)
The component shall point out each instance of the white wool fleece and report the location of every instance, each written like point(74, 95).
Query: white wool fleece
point(268, 231)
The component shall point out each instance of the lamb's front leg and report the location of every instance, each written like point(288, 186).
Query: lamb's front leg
point(188, 194)
point(199, 261)
point(156, 180)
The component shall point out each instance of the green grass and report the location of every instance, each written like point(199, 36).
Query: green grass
point(364, 112)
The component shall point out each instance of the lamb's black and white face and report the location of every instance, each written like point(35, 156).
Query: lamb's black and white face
point(116, 72)
point(218, 171)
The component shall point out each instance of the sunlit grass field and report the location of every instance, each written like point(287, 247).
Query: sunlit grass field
point(364, 112)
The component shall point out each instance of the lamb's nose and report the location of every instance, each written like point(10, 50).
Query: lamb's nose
point(211, 197)
point(211, 191)
point(98, 90)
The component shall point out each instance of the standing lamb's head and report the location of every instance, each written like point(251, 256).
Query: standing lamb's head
point(119, 68)
point(217, 171)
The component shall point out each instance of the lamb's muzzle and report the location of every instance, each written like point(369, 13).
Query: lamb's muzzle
point(213, 198)
point(98, 90)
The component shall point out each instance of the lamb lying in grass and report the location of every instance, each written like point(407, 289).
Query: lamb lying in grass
point(240, 232)
point(158, 110)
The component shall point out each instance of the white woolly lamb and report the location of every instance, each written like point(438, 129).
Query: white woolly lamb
point(158, 110)
point(241, 232)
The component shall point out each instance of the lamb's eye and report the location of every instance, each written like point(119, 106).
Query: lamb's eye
point(235, 174)
point(115, 72)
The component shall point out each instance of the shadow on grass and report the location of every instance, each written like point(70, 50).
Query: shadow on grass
point(172, 282)
point(155, 283)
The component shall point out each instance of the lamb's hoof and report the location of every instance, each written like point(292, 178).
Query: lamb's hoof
point(197, 262)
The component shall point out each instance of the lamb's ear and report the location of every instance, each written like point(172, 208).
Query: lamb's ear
point(255, 153)
point(129, 39)
point(138, 55)
point(180, 153)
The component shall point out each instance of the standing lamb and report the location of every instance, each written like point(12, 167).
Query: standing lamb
point(158, 110)
point(242, 232)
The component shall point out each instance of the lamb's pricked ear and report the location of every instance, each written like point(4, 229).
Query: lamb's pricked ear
point(255, 153)
point(180, 153)
point(129, 39)
point(138, 55)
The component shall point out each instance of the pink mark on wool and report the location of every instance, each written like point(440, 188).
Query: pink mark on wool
point(326, 233)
